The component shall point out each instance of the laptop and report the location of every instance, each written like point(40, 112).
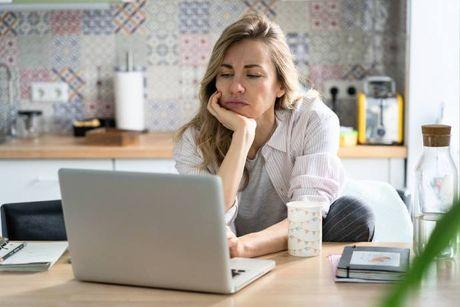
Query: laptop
point(153, 230)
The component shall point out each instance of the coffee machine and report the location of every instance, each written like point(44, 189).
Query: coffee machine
point(380, 112)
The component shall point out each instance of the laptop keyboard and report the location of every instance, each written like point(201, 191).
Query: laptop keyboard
point(236, 272)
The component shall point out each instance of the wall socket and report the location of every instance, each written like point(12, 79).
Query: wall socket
point(50, 92)
point(343, 86)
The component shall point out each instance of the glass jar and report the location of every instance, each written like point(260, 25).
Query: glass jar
point(435, 186)
point(29, 124)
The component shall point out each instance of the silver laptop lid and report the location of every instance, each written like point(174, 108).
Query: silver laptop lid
point(157, 230)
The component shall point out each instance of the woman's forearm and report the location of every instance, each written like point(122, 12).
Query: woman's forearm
point(231, 169)
point(270, 240)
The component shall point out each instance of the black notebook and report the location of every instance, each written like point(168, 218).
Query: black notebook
point(373, 263)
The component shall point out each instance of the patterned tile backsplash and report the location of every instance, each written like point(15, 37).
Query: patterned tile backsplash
point(172, 40)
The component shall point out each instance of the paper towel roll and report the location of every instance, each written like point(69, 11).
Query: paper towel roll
point(129, 100)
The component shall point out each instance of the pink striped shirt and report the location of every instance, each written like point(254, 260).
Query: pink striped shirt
point(300, 157)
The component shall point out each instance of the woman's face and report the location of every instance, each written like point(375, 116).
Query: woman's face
point(247, 80)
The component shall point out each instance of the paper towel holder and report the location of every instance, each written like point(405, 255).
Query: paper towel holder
point(129, 96)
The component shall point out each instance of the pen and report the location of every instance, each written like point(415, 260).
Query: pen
point(3, 241)
point(12, 252)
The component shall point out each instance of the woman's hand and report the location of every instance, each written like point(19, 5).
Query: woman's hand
point(270, 240)
point(237, 246)
point(231, 120)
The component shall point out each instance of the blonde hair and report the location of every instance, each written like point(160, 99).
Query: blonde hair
point(213, 139)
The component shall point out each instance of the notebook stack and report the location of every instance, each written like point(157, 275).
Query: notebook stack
point(372, 264)
point(34, 256)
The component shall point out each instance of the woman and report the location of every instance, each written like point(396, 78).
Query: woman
point(268, 142)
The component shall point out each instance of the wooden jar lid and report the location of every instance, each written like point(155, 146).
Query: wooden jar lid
point(436, 135)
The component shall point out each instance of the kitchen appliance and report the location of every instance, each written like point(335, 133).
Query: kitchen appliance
point(380, 112)
point(28, 124)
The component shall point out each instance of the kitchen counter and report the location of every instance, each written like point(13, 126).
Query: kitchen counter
point(152, 145)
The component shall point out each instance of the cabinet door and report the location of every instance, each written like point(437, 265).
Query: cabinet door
point(367, 169)
point(397, 173)
point(387, 170)
point(30, 180)
point(146, 165)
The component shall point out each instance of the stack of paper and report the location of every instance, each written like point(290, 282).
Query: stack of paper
point(35, 257)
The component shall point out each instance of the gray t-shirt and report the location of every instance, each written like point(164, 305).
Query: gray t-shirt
point(259, 205)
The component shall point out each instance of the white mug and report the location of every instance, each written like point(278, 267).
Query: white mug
point(305, 226)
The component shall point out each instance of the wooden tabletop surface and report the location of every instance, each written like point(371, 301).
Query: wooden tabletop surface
point(151, 145)
point(294, 282)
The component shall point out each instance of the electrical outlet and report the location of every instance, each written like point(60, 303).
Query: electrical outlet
point(343, 87)
point(50, 92)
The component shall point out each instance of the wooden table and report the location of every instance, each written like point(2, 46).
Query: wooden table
point(294, 282)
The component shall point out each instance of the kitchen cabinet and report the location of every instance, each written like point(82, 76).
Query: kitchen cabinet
point(28, 169)
point(146, 165)
point(23, 180)
point(29, 180)
point(36, 179)
point(390, 170)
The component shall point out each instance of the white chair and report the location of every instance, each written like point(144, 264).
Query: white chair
point(392, 220)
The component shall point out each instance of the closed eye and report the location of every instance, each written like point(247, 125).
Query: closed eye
point(228, 75)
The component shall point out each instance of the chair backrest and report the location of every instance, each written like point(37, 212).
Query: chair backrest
point(33, 221)
point(392, 219)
